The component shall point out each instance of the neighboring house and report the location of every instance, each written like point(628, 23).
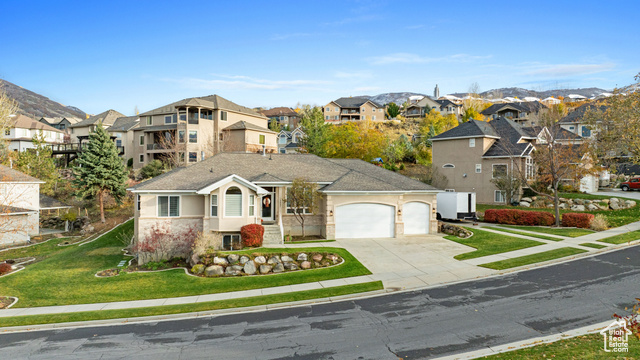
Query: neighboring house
point(575, 98)
point(575, 123)
point(60, 123)
point(230, 190)
point(551, 101)
point(284, 116)
point(524, 113)
point(23, 129)
point(123, 129)
point(353, 109)
point(199, 127)
point(288, 141)
point(421, 107)
point(86, 126)
point(473, 153)
point(19, 206)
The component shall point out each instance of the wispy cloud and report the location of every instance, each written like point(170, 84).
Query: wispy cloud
point(564, 70)
point(245, 83)
point(408, 58)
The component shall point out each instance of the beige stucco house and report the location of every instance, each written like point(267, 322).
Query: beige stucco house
point(23, 129)
point(123, 130)
point(421, 107)
point(197, 128)
point(19, 207)
point(353, 109)
point(526, 113)
point(229, 190)
point(84, 127)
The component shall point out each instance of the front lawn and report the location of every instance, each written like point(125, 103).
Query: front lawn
point(187, 308)
point(567, 232)
point(593, 245)
point(524, 233)
point(586, 347)
point(533, 258)
point(488, 243)
point(622, 238)
point(615, 218)
point(66, 276)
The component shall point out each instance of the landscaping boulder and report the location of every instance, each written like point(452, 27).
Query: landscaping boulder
point(587, 202)
point(194, 259)
point(538, 204)
point(550, 206)
point(290, 266)
point(305, 265)
point(244, 259)
point(233, 270)
point(260, 260)
point(527, 199)
point(265, 269)
point(274, 260)
point(249, 267)
point(233, 258)
point(614, 205)
point(197, 269)
point(562, 206)
point(220, 261)
point(577, 208)
point(286, 258)
point(606, 201)
point(524, 204)
point(317, 257)
point(592, 207)
point(302, 257)
point(629, 203)
point(278, 268)
point(214, 270)
point(578, 201)
point(333, 258)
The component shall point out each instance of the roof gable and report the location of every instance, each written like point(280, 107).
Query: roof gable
point(8, 174)
point(472, 128)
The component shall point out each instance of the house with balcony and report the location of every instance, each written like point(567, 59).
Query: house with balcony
point(60, 123)
point(83, 128)
point(288, 140)
point(23, 129)
point(353, 109)
point(421, 107)
point(286, 117)
point(523, 113)
point(229, 190)
point(197, 128)
point(123, 131)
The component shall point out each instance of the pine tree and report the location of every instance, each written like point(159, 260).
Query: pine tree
point(99, 170)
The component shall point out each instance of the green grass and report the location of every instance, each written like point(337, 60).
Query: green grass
point(488, 243)
point(67, 274)
point(587, 347)
point(534, 258)
point(525, 234)
point(187, 308)
point(38, 250)
point(567, 232)
point(622, 238)
point(592, 245)
point(615, 218)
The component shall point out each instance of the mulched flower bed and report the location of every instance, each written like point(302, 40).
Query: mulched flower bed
point(5, 301)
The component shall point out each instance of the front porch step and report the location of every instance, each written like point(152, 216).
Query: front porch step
point(272, 235)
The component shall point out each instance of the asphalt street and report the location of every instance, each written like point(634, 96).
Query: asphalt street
point(421, 324)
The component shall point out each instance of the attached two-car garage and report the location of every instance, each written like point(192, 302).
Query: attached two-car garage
point(371, 220)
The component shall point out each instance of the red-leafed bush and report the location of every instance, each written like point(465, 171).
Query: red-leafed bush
point(252, 235)
point(4, 268)
point(579, 220)
point(519, 217)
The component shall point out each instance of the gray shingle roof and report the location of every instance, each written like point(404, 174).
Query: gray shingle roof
point(353, 102)
point(9, 210)
point(47, 202)
point(125, 123)
point(8, 174)
point(343, 174)
point(472, 128)
point(509, 133)
point(529, 106)
point(214, 102)
point(279, 111)
point(577, 114)
point(243, 125)
point(106, 118)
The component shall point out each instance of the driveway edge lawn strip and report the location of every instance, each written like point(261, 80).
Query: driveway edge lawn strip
point(593, 245)
point(533, 258)
point(490, 243)
point(538, 236)
point(627, 237)
point(192, 310)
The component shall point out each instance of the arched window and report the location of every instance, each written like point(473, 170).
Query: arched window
point(446, 166)
point(233, 202)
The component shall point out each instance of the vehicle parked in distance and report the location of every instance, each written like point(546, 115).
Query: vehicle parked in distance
point(632, 184)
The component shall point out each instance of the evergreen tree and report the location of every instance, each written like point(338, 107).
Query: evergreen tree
point(99, 170)
point(317, 132)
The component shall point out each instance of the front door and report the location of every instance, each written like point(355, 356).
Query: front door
point(268, 207)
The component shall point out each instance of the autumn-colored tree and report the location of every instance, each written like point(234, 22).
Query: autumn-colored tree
point(398, 149)
point(39, 163)
point(356, 141)
point(436, 121)
point(471, 113)
point(393, 110)
point(8, 108)
point(302, 199)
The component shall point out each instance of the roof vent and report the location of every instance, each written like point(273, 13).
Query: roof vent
point(211, 170)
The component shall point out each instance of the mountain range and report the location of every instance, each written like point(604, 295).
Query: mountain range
point(36, 105)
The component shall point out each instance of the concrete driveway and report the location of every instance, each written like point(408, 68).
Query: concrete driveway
point(413, 261)
point(634, 195)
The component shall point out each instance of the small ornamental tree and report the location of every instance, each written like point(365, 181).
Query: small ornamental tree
point(99, 170)
point(302, 199)
point(162, 243)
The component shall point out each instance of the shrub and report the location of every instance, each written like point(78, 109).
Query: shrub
point(519, 217)
point(252, 235)
point(197, 269)
point(152, 169)
point(599, 223)
point(4, 268)
point(579, 220)
point(130, 163)
point(69, 216)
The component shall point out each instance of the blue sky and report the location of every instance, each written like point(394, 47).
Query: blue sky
point(123, 54)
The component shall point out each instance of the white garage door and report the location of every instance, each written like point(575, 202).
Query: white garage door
point(364, 221)
point(416, 218)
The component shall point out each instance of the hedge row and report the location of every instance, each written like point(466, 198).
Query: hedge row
point(519, 217)
point(579, 220)
point(252, 235)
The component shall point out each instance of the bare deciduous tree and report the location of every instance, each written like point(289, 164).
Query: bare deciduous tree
point(303, 199)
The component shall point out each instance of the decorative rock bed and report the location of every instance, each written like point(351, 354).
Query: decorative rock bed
point(235, 265)
point(578, 204)
point(454, 230)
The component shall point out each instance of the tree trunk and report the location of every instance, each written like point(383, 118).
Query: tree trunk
point(101, 197)
point(302, 223)
point(556, 204)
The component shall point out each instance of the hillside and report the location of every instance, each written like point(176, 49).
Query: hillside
point(521, 93)
point(36, 105)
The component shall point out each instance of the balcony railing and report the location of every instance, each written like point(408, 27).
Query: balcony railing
point(156, 147)
point(350, 111)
